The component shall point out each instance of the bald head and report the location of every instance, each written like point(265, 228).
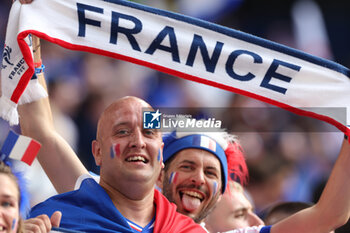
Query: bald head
point(120, 135)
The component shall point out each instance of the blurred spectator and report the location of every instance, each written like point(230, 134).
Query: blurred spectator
point(283, 210)
point(267, 176)
point(235, 210)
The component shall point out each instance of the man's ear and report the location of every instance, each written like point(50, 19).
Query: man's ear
point(160, 179)
point(96, 151)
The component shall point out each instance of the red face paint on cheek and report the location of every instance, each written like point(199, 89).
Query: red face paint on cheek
point(117, 150)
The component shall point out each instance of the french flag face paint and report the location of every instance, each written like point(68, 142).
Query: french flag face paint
point(215, 188)
point(115, 151)
point(173, 178)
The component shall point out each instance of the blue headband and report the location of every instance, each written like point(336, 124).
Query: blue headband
point(172, 145)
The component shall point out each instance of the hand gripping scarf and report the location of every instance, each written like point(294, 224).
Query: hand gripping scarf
point(176, 44)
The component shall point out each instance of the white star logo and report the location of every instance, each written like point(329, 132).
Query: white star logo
point(156, 115)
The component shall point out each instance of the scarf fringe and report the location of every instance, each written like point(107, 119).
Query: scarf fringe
point(8, 111)
point(33, 92)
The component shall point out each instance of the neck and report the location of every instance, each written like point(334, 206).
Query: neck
point(135, 205)
point(209, 228)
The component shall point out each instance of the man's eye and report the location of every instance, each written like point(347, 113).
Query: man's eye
point(211, 174)
point(149, 132)
point(186, 167)
point(6, 204)
point(122, 132)
point(239, 216)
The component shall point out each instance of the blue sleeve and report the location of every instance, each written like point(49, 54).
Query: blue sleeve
point(265, 229)
point(38, 210)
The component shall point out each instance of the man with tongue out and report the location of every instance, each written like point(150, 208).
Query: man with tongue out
point(196, 170)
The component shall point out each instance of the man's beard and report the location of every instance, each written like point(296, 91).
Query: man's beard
point(167, 192)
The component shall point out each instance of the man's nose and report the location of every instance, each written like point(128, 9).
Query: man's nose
point(137, 140)
point(254, 220)
point(198, 177)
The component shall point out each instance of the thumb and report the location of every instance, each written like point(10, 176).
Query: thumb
point(56, 218)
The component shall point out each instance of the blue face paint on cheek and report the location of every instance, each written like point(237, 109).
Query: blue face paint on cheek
point(111, 152)
point(215, 188)
point(14, 223)
point(159, 156)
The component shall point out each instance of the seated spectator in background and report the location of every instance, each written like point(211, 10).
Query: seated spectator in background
point(282, 210)
point(13, 200)
point(233, 211)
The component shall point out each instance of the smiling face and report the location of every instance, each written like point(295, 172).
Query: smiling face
point(9, 209)
point(236, 208)
point(192, 181)
point(126, 152)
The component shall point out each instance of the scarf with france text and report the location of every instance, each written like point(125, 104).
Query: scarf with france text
point(176, 44)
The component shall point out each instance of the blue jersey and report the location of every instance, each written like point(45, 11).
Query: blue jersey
point(88, 209)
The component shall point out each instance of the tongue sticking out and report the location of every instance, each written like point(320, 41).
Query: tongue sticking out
point(190, 203)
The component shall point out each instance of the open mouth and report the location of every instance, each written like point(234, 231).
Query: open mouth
point(136, 158)
point(2, 229)
point(191, 200)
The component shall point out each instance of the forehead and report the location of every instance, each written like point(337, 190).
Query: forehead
point(126, 111)
point(236, 199)
point(197, 156)
point(8, 187)
point(126, 107)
